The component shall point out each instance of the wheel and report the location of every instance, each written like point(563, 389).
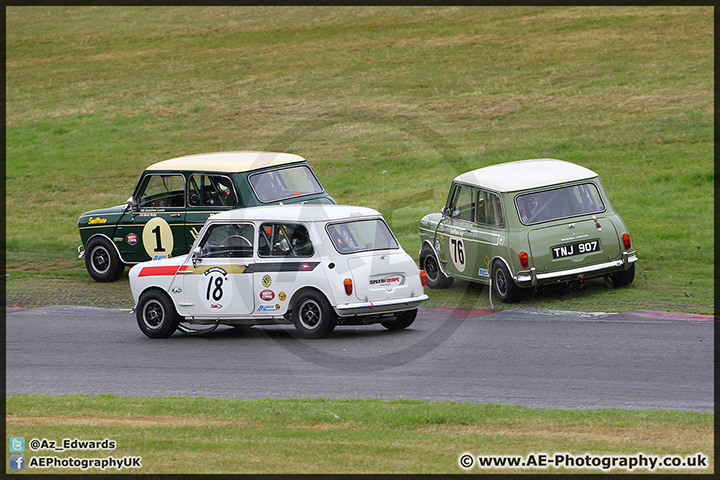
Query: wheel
point(312, 315)
point(435, 277)
point(403, 320)
point(102, 260)
point(156, 315)
point(624, 278)
point(504, 285)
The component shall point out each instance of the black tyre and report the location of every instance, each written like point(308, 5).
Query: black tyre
point(504, 286)
point(403, 320)
point(156, 314)
point(624, 278)
point(312, 315)
point(435, 277)
point(102, 260)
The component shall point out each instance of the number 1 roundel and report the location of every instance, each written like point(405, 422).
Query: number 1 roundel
point(157, 238)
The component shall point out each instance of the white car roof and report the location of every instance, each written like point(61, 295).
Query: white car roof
point(226, 161)
point(309, 212)
point(526, 174)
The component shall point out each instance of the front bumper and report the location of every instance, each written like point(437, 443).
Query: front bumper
point(380, 307)
point(532, 278)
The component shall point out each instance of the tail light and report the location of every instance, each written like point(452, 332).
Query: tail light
point(423, 278)
point(348, 286)
point(626, 241)
point(524, 259)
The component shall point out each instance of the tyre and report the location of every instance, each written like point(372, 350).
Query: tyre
point(312, 315)
point(504, 285)
point(624, 278)
point(403, 320)
point(435, 277)
point(156, 314)
point(102, 260)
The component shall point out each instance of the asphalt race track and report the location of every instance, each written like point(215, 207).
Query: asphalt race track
point(633, 360)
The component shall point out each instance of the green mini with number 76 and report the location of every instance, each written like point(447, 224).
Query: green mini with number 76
point(523, 224)
point(175, 197)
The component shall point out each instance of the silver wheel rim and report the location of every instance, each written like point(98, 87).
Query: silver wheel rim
point(153, 314)
point(100, 260)
point(501, 282)
point(310, 314)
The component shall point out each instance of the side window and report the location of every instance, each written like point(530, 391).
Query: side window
point(211, 191)
point(228, 240)
point(489, 209)
point(162, 191)
point(284, 240)
point(463, 204)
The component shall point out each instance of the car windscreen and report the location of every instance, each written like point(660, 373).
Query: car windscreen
point(285, 183)
point(559, 203)
point(361, 236)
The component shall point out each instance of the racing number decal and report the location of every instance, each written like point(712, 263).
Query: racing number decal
point(214, 289)
point(157, 238)
point(457, 253)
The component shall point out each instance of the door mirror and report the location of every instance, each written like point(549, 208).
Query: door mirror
point(132, 204)
point(195, 256)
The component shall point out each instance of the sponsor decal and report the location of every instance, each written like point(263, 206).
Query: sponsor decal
point(267, 295)
point(268, 308)
point(96, 220)
point(266, 281)
point(215, 305)
point(277, 306)
point(487, 260)
point(386, 281)
point(305, 266)
point(483, 272)
point(219, 270)
point(282, 296)
point(132, 239)
point(159, 257)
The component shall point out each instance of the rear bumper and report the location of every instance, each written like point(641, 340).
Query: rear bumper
point(379, 307)
point(532, 278)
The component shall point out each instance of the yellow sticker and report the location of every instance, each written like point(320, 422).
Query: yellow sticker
point(282, 296)
point(266, 281)
point(157, 238)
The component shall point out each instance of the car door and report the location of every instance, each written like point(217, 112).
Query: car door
point(154, 226)
point(216, 279)
point(455, 243)
point(487, 235)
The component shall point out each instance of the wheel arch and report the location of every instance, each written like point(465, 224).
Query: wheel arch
point(427, 242)
point(115, 247)
point(300, 292)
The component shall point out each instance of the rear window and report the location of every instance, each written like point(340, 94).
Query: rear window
point(361, 236)
point(285, 183)
point(559, 203)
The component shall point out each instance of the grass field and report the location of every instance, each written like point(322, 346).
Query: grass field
point(388, 104)
point(191, 435)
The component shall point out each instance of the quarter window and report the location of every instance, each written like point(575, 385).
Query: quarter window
point(284, 240)
point(489, 209)
point(211, 191)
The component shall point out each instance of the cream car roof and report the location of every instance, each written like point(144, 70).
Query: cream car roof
point(526, 174)
point(226, 162)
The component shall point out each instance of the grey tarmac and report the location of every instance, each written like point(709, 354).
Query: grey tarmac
point(537, 358)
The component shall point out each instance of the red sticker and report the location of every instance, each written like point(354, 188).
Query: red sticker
point(132, 239)
point(267, 295)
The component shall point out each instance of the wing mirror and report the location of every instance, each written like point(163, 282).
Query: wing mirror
point(132, 204)
point(195, 256)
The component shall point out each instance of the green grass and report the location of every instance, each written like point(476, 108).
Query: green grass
point(200, 435)
point(387, 103)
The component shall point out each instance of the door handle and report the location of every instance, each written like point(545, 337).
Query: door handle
point(175, 215)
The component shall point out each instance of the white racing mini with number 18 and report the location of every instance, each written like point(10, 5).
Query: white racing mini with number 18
point(314, 266)
point(523, 224)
